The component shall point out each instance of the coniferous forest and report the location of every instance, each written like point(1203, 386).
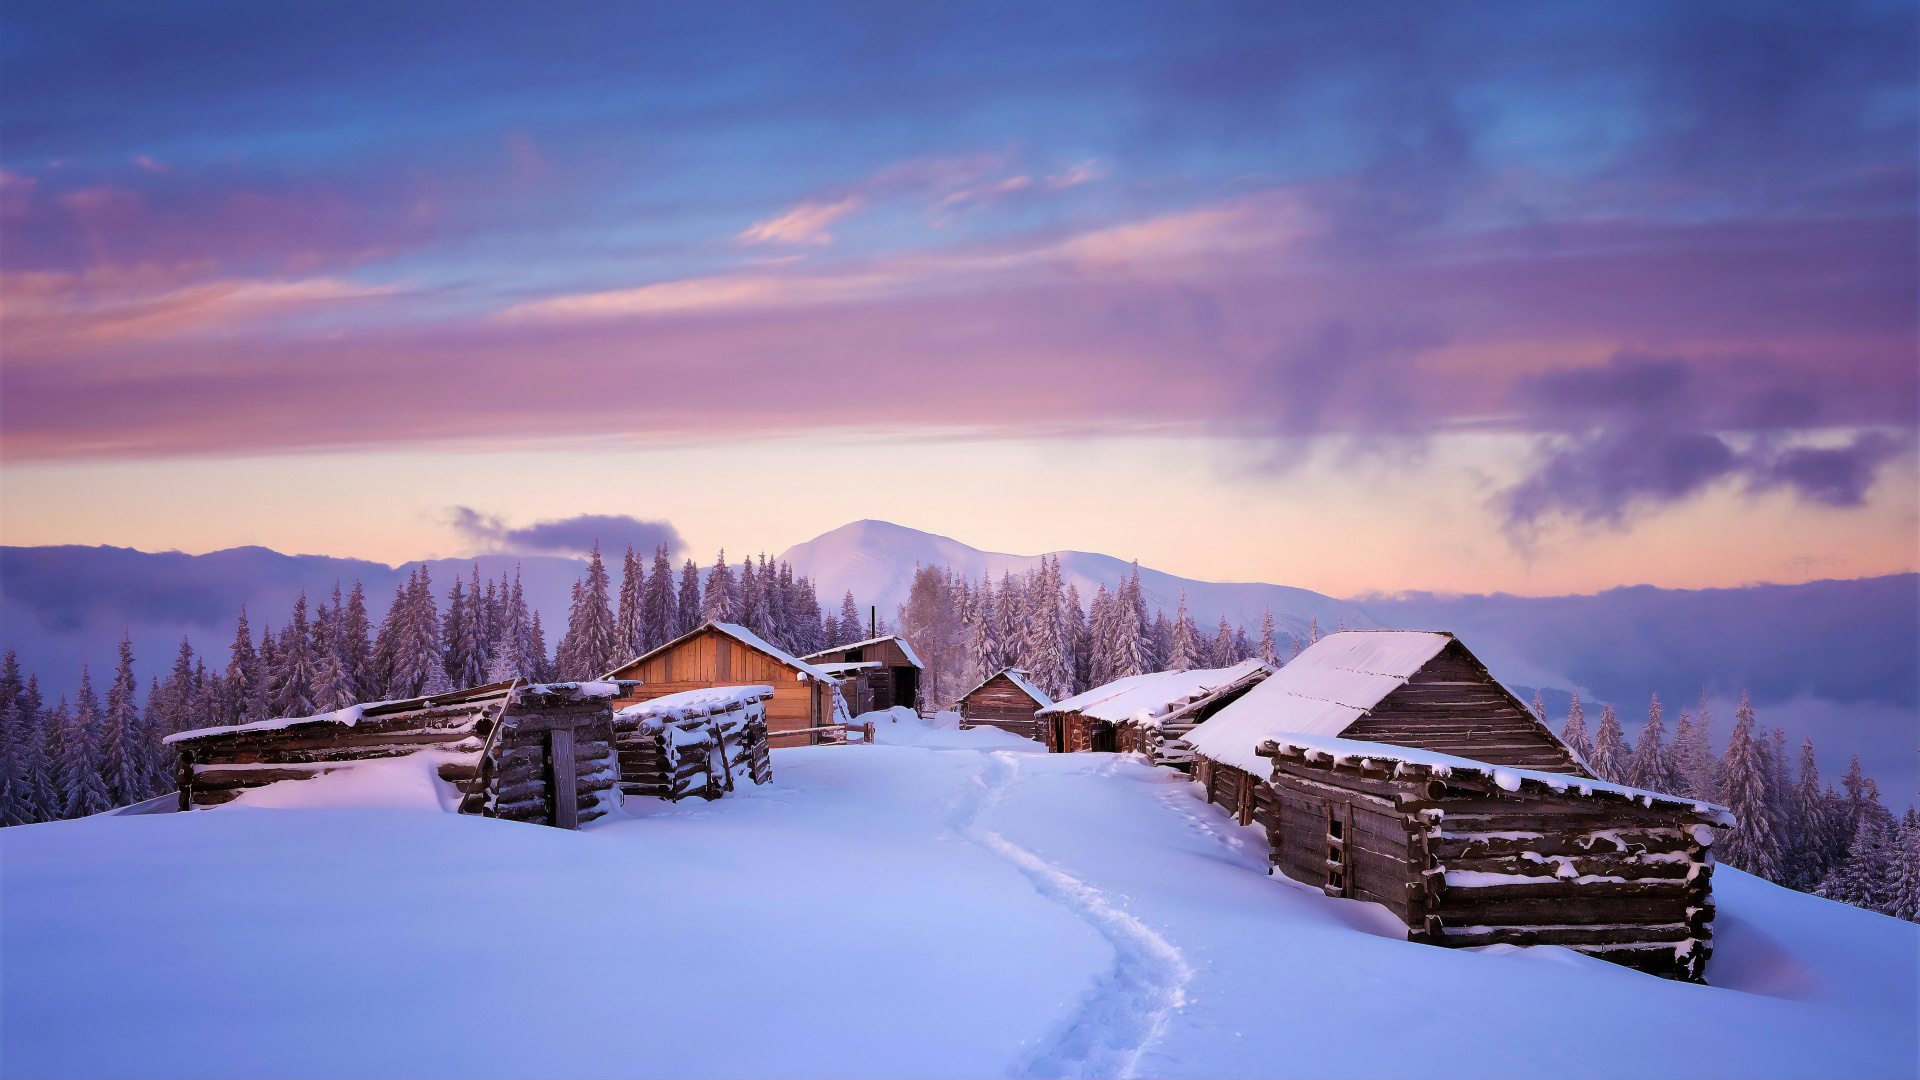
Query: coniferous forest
point(93, 753)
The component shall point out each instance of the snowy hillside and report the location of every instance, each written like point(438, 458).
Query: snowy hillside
point(876, 559)
point(947, 905)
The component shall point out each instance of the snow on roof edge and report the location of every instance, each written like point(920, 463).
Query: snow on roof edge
point(1506, 777)
point(905, 647)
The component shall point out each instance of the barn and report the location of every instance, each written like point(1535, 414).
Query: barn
point(536, 753)
point(1095, 719)
point(878, 673)
point(1007, 700)
point(806, 702)
point(1389, 766)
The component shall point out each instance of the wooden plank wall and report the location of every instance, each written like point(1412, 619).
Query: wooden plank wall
point(999, 703)
point(714, 659)
point(1453, 706)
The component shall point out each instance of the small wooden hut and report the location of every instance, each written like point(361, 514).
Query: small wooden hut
point(1489, 833)
point(697, 742)
point(1093, 720)
point(806, 702)
point(537, 753)
point(1007, 700)
point(880, 672)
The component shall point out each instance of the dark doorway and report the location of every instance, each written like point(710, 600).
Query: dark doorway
point(906, 686)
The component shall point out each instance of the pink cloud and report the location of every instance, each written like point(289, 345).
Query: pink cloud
point(803, 224)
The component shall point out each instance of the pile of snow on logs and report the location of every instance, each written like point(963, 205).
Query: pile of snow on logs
point(697, 742)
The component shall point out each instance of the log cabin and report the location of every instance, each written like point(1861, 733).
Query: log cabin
point(806, 701)
point(696, 742)
point(1007, 700)
point(1161, 737)
point(527, 752)
point(880, 672)
point(1388, 766)
point(1092, 720)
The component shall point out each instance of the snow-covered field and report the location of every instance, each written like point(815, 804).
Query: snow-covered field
point(945, 904)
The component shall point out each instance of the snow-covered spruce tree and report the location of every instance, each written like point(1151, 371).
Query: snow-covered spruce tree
point(1609, 747)
point(1574, 732)
point(1651, 766)
point(1539, 707)
point(537, 654)
point(1810, 839)
point(1131, 647)
point(847, 629)
point(1903, 901)
point(986, 646)
point(1162, 640)
point(389, 647)
point(466, 650)
point(1865, 878)
point(722, 602)
point(1221, 653)
point(293, 676)
point(1058, 671)
point(1101, 628)
point(1079, 638)
point(419, 657)
point(123, 753)
point(79, 770)
point(629, 622)
point(777, 583)
point(1269, 646)
point(1698, 763)
point(269, 670)
point(659, 614)
point(1753, 844)
point(1186, 646)
point(1013, 620)
point(453, 630)
point(38, 787)
point(588, 649)
point(1243, 648)
point(1313, 630)
point(245, 689)
point(351, 641)
point(689, 609)
point(748, 613)
point(15, 805)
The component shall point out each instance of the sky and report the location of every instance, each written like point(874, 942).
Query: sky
point(1535, 298)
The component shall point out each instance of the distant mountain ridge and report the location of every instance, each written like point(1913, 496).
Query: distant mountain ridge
point(875, 561)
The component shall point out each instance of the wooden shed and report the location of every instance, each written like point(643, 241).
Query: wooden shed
point(1161, 737)
point(697, 742)
point(1007, 700)
point(880, 672)
point(537, 753)
point(1519, 846)
point(806, 700)
point(1092, 720)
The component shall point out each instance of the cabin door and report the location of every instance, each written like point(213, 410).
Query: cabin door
point(906, 686)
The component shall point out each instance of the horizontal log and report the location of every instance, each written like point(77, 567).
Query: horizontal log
point(1604, 866)
point(1457, 909)
point(214, 797)
point(1575, 842)
point(455, 772)
point(215, 781)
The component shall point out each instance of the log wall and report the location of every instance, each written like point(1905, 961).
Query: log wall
point(998, 702)
point(705, 755)
point(1464, 862)
point(1452, 705)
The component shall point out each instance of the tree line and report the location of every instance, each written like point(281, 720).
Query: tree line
point(88, 755)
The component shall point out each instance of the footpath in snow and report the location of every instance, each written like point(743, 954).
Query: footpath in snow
point(946, 903)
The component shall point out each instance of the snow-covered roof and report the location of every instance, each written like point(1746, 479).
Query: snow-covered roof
point(912, 657)
point(1505, 777)
point(479, 697)
point(1334, 682)
point(689, 704)
point(850, 666)
point(1020, 678)
point(1150, 696)
point(745, 637)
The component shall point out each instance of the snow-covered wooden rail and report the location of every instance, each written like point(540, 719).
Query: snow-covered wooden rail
point(539, 753)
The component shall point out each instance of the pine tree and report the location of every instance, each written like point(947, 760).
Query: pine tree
point(750, 611)
point(1753, 844)
point(15, 805)
point(79, 768)
point(121, 749)
point(1222, 652)
point(386, 669)
point(245, 688)
point(1162, 641)
point(722, 592)
point(454, 631)
point(1101, 628)
point(1574, 732)
point(1269, 645)
point(1131, 647)
point(352, 645)
point(986, 648)
point(1810, 842)
point(1539, 707)
point(1186, 644)
point(692, 606)
point(1609, 747)
point(38, 786)
point(589, 646)
point(1313, 630)
point(1903, 900)
point(1651, 766)
point(660, 621)
point(1698, 763)
point(1079, 638)
point(1865, 878)
point(537, 650)
point(293, 679)
point(629, 623)
point(849, 628)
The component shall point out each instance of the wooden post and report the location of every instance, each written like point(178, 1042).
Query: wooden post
point(566, 790)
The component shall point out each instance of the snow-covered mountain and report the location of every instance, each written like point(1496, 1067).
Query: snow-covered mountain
point(875, 560)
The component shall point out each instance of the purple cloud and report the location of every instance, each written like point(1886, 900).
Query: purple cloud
point(567, 536)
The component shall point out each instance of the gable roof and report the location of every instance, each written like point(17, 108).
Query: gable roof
point(1018, 677)
point(1334, 682)
point(745, 637)
point(1150, 696)
point(912, 657)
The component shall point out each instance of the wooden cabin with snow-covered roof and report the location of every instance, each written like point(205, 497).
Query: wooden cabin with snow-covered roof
point(1389, 766)
point(805, 704)
point(1124, 715)
point(1007, 700)
point(876, 674)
